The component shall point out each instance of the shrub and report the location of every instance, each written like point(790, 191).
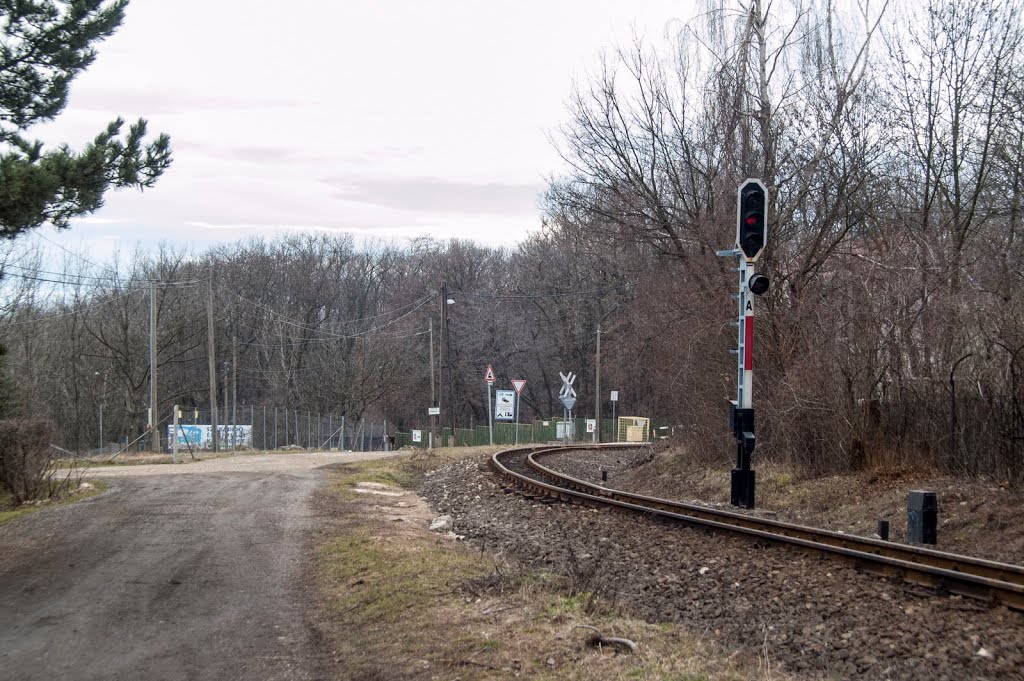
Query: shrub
point(27, 467)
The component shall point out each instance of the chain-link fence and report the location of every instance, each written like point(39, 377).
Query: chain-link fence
point(555, 430)
point(262, 427)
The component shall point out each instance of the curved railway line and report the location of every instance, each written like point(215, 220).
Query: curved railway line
point(964, 575)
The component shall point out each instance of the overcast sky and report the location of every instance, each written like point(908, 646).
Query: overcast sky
point(385, 119)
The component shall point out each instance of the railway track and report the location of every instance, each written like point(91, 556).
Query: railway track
point(964, 575)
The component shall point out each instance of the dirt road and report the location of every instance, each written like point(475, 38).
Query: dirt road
point(177, 572)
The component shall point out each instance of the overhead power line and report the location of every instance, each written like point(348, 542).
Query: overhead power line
point(536, 296)
point(30, 274)
point(282, 318)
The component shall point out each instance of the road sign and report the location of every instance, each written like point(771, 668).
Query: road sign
point(615, 396)
point(569, 402)
point(504, 405)
point(489, 375)
point(567, 390)
point(518, 384)
point(433, 411)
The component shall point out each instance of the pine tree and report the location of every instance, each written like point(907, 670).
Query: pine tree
point(44, 45)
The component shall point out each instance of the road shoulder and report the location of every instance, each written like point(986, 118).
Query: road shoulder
point(398, 601)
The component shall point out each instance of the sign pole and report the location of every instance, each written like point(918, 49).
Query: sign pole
point(489, 379)
point(490, 415)
point(568, 398)
point(518, 384)
point(517, 418)
point(174, 436)
point(615, 423)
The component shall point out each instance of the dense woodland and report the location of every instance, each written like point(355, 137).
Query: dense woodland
point(891, 142)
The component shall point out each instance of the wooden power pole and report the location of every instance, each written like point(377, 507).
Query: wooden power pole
point(212, 357)
point(153, 416)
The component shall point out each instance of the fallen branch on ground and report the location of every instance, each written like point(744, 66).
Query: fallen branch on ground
point(599, 639)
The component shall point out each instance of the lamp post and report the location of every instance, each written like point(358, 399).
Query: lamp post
point(443, 362)
point(597, 375)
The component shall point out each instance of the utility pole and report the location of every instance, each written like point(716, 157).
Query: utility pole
point(444, 359)
point(227, 405)
point(433, 397)
point(153, 420)
point(212, 359)
point(597, 390)
point(234, 392)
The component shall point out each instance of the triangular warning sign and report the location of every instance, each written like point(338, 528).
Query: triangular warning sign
point(489, 376)
point(518, 384)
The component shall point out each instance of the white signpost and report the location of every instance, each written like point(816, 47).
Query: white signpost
point(489, 379)
point(433, 411)
point(417, 436)
point(615, 424)
point(518, 384)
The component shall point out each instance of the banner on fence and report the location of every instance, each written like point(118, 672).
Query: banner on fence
point(200, 436)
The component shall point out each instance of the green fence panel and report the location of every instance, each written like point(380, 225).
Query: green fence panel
point(532, 432)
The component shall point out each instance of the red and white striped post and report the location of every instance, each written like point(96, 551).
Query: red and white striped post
point(751, 233)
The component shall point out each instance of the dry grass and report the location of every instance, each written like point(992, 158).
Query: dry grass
point(8, 512)
point(399, 602)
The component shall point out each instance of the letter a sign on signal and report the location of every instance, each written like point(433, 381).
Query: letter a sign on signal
point(489, 375)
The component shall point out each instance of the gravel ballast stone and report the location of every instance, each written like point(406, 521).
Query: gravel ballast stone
point(814, 615)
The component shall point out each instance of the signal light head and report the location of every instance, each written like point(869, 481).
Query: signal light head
point(758, 284)
point(751, 231)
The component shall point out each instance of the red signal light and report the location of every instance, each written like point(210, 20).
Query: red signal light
point(751, 230)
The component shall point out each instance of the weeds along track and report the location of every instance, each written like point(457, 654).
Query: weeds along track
point(963, 575)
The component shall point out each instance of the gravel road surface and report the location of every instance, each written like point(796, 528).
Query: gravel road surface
point(193, 571)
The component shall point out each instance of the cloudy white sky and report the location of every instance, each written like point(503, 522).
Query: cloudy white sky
point(385, 119)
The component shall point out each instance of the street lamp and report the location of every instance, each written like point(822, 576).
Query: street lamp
point(442, 356)
point(597, 376)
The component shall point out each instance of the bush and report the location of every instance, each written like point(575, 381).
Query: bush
point(27, 467)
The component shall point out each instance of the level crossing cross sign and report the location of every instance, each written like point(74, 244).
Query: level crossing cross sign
point(567, 380)
point(489, 375)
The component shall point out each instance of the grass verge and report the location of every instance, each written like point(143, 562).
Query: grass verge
point(9, 512)
point(399, 602)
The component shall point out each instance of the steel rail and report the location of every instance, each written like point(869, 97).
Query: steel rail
point(963, 575)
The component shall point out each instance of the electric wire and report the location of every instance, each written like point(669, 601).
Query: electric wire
point(284, 319)
point(330, 335)
point(536, 296)
point(80, 310)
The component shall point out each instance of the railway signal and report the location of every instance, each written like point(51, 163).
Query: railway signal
point(751, 238)
point(752, 224)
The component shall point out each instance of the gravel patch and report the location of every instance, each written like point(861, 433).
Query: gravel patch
point(815, 617)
